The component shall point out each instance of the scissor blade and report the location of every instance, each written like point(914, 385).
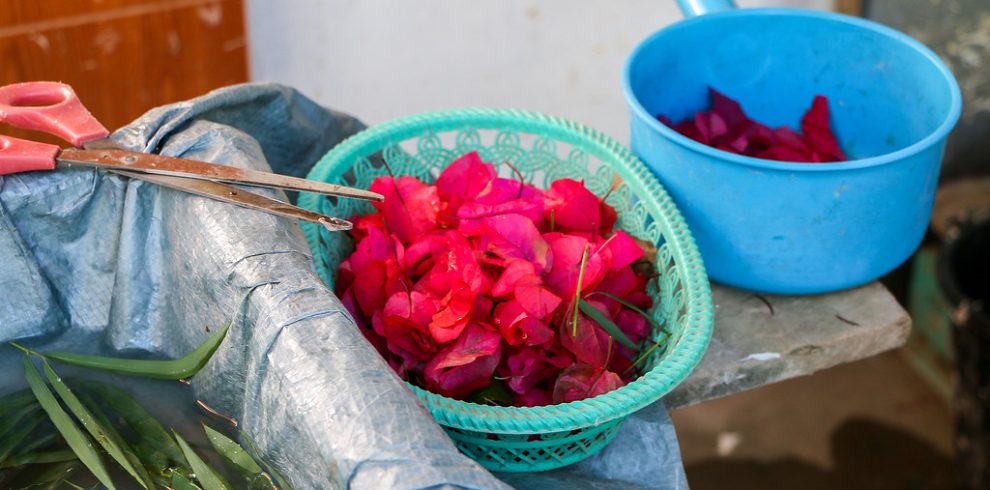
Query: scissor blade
point(240, 197)
point(180, 167)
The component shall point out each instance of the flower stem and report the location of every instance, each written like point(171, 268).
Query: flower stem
point(577, 292)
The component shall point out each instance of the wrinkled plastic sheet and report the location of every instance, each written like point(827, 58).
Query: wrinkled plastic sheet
point(98, 263)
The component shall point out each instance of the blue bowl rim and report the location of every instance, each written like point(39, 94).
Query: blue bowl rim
point(936, 136)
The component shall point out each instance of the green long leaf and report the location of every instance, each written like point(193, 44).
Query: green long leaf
point(239, 460)
point(611, 328)
point(75, 438)
point(39, 458)
point(252, 450)
point(654, 325)
point(577, 292)
point(16, 400)
point(19, 433)
point(153, 437)
point(180, 482)
point(101, 418)
point(232, 452)
point(93, 426)
point(642, 357)
point(204, 474)
point(39, 440)
point(52, 477)
point(10, 420)
point(174, 369)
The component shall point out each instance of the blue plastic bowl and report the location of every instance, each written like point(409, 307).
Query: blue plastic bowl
point(796, 228)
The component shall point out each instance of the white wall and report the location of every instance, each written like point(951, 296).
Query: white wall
point(380, 59)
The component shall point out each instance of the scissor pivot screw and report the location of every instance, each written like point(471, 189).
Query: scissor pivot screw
point(129, 159)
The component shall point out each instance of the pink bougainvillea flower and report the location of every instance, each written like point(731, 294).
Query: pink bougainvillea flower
point(515, 271)
point(537, 300)
point(466, 365)
point(727, 127)
point(453, 264)
point(503, 196)
point(465, 178)
point(533, 398)
point(588, 342)
point(403, 339)
point(367, 270)
point(620, 250)
point(476, 277)
point(529, 366)
point(632, 324)
point(518, 327)
point(526, 368)
point(510, 236)
point(410, 206)
point(530, 208)
point(567, 251)
point(817, 132)
point(415, 309)
point(453, 315)
point(582, 381)
point(572, 207)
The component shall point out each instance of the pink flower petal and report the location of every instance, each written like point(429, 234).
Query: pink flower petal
point(567, 251)
point(518, 327)
point(410, 206)
point(818, 133)
point(620, 250)
point(453, 315)
point(571, 206)
point(590, 345)
point(465, 178)
point(466, 365)
point(729, 110)
point(537, 300)
point(529, 366)
point(632, 324)
point(515, 271)
point(582, 381)
point(510, 236)
point(533, 398)
point(416, 308)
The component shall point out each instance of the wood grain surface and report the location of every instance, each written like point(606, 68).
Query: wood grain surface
point(124, 57)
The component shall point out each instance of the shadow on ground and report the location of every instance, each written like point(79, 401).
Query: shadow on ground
point(865, 454)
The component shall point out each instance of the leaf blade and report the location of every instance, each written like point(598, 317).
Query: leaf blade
point(610, 327)
point(141, 473)
point(74, 437)
point(154, 439)
point(89, 422)
point(173, 369)
point(204, 474)
point(39, 458)
point(180, 482)
point(15, 437)
point(232, 453)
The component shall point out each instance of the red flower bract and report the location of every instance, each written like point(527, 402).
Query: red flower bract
point(477, 278)
point(467, 365)
point(726, 127)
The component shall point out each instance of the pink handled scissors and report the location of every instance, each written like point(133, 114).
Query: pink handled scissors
point(54, 108)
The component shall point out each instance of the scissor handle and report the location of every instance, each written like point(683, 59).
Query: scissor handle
point(49, 107)
point(17, 155)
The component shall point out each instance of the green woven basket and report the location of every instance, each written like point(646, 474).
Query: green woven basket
point(543, 148)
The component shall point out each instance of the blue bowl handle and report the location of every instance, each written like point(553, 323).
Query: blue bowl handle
point(692, 8)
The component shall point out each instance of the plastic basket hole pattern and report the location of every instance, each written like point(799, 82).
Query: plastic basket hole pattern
point(514, 453)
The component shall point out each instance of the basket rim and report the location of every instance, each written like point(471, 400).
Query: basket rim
point(682, 357)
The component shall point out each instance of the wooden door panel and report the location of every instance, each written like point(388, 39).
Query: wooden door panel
point(124, 57)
